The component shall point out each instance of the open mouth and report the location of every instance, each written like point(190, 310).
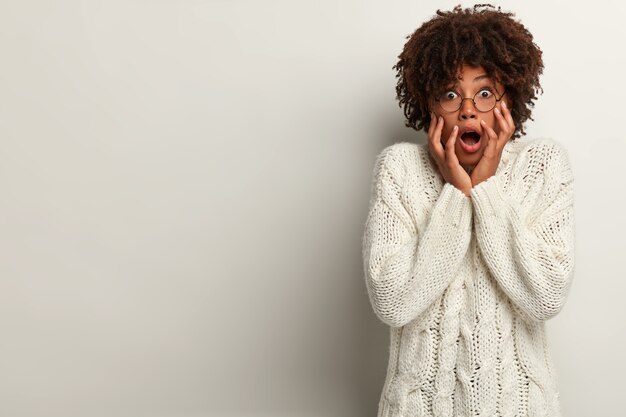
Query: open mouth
point(470, 141)
point(470, 138)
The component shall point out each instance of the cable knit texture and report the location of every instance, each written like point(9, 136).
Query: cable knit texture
point(467, 283)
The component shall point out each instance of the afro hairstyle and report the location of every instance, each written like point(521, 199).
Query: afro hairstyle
point(478, 36)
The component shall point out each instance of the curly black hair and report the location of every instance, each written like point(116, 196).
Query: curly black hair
point(479, 36)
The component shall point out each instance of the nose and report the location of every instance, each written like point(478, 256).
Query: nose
point(467, 110)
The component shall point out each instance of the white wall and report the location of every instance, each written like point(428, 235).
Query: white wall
point(183, 188)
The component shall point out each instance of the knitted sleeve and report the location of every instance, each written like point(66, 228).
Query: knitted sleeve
point(527, 239)
point(408, 266)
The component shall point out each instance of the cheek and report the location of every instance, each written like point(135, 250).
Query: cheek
point(492, 122)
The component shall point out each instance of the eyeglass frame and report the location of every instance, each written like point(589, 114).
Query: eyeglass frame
point(473, 101)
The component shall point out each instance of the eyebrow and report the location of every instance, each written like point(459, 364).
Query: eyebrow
point(480, 77)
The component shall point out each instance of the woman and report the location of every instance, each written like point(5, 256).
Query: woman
point(469, 241)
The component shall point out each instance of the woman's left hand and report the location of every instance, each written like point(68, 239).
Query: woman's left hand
point(488, 163)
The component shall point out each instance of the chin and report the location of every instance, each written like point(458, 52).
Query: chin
point(469, 160)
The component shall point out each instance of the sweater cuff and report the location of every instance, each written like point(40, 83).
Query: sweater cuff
point(489, 199)
point(455, 206)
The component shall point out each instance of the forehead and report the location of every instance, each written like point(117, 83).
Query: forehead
point(469, 75)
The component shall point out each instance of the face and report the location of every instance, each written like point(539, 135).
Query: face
point(470, 80)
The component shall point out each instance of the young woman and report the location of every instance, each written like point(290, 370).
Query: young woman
point(469, 241)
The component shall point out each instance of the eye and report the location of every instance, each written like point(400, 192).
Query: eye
point(484, 93)
point(449, 96)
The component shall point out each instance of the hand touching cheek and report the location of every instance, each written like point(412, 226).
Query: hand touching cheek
point(496, 139)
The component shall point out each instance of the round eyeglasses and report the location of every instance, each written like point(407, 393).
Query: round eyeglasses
point(484, 100)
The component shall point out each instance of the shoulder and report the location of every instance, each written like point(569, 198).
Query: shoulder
point(399, 158)
point(545, 156)
point(399, 153)
point(544, 146)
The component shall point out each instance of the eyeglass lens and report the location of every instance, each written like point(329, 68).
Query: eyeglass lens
point(484, 101)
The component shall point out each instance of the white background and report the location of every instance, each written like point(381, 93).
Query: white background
point(183, 189)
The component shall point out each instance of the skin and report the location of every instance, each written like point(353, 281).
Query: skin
point(496, 128)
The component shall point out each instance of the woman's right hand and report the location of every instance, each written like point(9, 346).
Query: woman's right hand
point(447, 162)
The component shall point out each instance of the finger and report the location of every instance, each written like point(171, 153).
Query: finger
point(504, 125)
point(492, 136)
point(431, 125)
point(492, 140)
point(450, 154)
point(506, 129)
point(435, 140)
point(507, 115)
point(432, 139)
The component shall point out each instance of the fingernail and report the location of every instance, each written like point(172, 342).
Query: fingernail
point(456, 127)
point(482, 122)
point(504, 104)
point(496, 110)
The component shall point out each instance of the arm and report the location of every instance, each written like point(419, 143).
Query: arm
point(408, 268)
point(528, 243)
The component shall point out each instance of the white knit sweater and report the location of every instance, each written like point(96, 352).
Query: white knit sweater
point(467, 283)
